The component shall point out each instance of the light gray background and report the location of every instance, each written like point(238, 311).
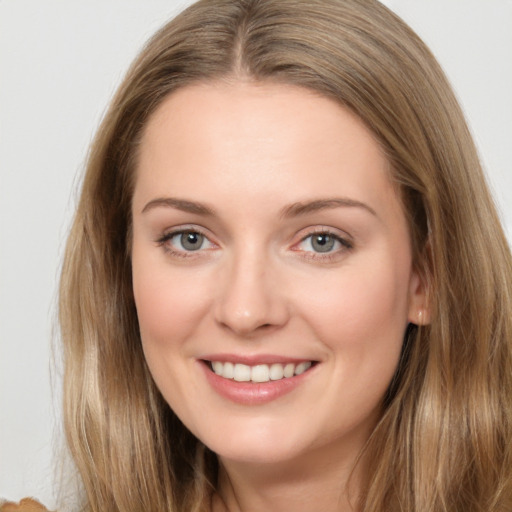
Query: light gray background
point(60, 62)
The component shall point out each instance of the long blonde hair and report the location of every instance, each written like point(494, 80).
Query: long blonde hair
point(444, 442)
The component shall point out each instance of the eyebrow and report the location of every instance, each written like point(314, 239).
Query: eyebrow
point(179, 204)
point(292, 210)
point(303, 208)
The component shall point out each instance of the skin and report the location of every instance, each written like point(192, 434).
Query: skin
point(257, 285)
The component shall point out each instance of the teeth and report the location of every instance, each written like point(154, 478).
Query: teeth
point(289, 370)
point(276, 372)
point(259, 372)
point(228, 370)
point(302, 367)
point(242, 373)
point(217, 367)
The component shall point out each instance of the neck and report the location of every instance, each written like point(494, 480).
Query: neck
point(321, 480)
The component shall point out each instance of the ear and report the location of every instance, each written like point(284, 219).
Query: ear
point(419, 299)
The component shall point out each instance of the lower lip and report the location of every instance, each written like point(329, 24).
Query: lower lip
point(252, 393)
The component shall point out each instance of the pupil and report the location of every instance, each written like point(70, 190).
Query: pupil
point(191, 241)
point(323, 243)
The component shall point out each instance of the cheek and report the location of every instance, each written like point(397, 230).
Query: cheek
point(361, 307)
point(169, 304)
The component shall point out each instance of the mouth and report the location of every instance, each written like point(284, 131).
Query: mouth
point(258, 373)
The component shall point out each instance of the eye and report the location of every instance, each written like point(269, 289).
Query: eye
point(189, 241)
point(185, 241)
point(323, 243)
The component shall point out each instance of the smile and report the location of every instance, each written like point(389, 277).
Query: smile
point(260, 372)
point(256, 380)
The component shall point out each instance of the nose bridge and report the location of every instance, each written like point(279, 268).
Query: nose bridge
point(249, 297)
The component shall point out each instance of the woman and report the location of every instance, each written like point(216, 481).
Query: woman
point(286, 286)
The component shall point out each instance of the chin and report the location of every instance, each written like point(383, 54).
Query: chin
point(257, 455)
point(259, 444)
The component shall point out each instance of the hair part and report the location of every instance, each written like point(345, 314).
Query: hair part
point(443, 442)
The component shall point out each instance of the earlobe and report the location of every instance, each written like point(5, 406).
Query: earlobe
point(422, 317)
point(419, 302)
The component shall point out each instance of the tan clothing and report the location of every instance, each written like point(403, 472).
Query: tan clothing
point(25, 505)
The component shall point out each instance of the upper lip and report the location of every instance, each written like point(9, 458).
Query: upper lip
point(254, 359)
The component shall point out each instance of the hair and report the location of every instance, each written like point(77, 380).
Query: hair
point(444, 441)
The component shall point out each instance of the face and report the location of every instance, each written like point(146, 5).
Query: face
point(271, 269)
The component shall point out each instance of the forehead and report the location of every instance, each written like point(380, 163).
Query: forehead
point(257, 110)
point(264, 138)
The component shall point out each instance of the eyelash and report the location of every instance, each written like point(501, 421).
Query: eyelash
point(168, 236)
point(345, 245)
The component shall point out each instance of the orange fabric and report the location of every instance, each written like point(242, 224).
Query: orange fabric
point(25, 505)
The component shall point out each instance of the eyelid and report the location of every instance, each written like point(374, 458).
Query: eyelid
point(169, 233)
point(327, 230)
point(342, 237)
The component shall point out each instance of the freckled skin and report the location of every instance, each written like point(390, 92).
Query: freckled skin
point(256, 286)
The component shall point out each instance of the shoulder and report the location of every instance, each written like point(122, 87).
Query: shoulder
point(25, 505)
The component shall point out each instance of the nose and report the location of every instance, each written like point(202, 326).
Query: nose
point(251, 298)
